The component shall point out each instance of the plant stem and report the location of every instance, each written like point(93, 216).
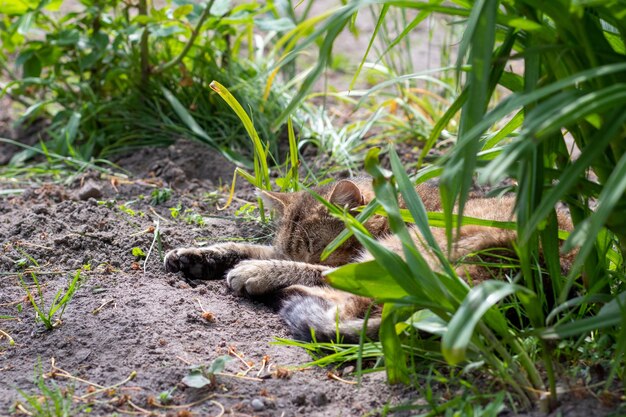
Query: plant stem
point(192, 39)
point(144, 46)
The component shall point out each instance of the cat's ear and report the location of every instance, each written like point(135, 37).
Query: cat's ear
point(346, 193)
point(277, 201)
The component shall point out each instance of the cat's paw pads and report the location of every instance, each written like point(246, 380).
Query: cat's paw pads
point(189, 261)
point(199, 263)
point(250, 277)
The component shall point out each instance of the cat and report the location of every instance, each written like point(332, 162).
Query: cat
point(291, 271)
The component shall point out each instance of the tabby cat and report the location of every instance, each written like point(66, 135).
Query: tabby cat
point(290, 270)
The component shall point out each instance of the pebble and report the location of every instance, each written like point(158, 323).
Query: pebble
point(89, 190)
point(257, 404)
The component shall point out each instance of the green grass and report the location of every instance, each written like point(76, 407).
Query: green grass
point(50, 400)
point(50, 314)
point(571, 91)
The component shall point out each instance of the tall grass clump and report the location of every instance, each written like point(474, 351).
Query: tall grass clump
point(559, 134)
point(113, 76)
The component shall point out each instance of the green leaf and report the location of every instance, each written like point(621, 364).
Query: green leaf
point(196, 379)
point(479, 300)
point(183, 11)
point(138, 252)
point(612, 314)
point(429, 322)
point(262, 172)
point(220, 7)
point(16, 7)
point(282, 24)
point(368, 279)
point(218, 364)
point(395, 359)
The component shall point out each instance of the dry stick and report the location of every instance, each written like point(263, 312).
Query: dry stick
point(99, 309)
point(157, 232)
point(157, 214)
point(136, 407)
point(247, 378)
point(130, 377)
point(338, 378)
point(61, 372)
point(34, 245)
point(8, 336)
point(220, 406)
point(232, 351)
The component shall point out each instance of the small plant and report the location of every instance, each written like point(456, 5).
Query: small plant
point(160, 196)
point(46, 314)
point(165, 397)
point(175, 211)
point(200, 377)
point(248, 212)
point(138, 253)
point(50, 400)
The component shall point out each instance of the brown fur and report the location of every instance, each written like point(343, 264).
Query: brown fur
point(292, 269)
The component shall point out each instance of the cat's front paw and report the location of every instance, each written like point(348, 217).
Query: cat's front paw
point(252, 278)
point(200, 263)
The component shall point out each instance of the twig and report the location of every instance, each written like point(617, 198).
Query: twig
point(220, 406)
point(232, 351)
point(192, 39)
point(130, 377)
point(336, 377)
point(136, 407)
point(8, 336)
point(157, 235)
point(264, 362)
point(97, 310)
point(247, 378)
point(156, 214)
point(185, 361)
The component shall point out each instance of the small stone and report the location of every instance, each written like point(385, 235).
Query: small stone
point(347, 370)
point(89, 190)
point(319, 399)
point(257, 404)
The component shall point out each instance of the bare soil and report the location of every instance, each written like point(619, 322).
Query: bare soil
point(125, 320)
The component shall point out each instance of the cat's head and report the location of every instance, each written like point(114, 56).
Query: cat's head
point(305, 227)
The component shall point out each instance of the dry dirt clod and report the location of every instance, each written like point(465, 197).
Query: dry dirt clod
point(89, 190)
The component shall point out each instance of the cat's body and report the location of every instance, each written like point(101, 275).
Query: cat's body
point(291, 269)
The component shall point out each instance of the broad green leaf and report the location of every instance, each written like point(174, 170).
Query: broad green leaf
point(220, 7)
point(183, 11)
point(479, 300)
point(218, 364)
point(16, 7)
point(368, 279)
point(195, 379)
point(429, 322)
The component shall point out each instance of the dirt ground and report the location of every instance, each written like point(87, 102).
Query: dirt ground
point(150, 323)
